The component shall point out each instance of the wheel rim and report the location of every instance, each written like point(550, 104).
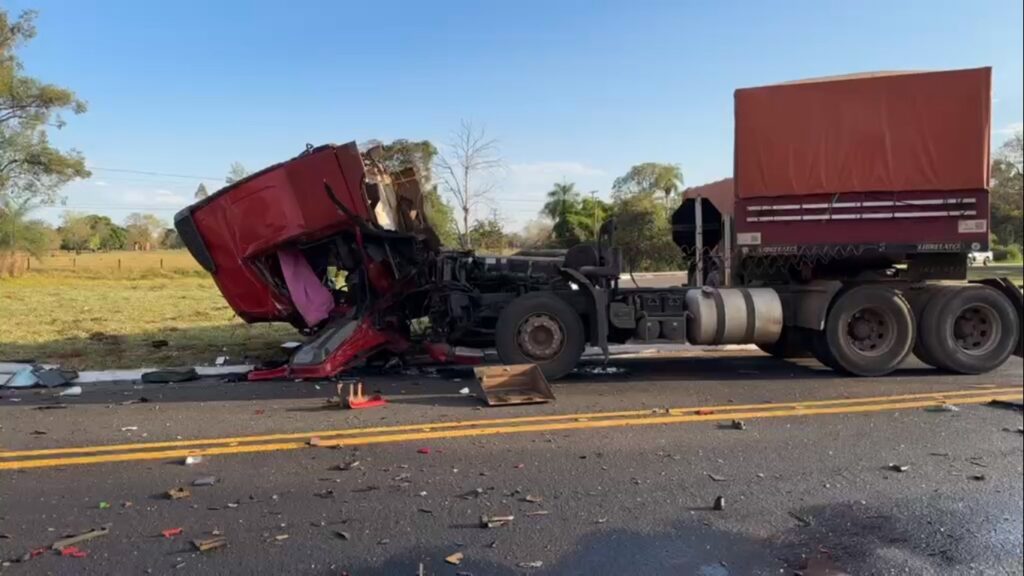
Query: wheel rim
point(540, 337)
point(976, 329)
point(871, 331)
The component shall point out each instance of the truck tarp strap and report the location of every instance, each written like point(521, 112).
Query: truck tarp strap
point(720, 316)
point(748, 301)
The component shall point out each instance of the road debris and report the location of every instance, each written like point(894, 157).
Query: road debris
point(704, 412)
point(978, 477)
point(72, 391)
point(172, 532)
point(455, 559)
point(342, 534)
point(533, 564)
point(192, 460)
point(738, 425)
point(73, 552)
point(103, 505)
point(513, 384)
point(538, 513)
point(205, 481)
point(719, 503)
point(717, 478)
point(207, 544)
point(1006, 404)
point(178, 493)
point(51, 377)
point(944, 407)
point(532, 498)
point(495, 521)
point(898, 467)
point(423, 451)
point(281, 537)
point(804, 522)
point(356, 400)
point(464, 391)
point(129, 428)
point(348, 466)
point(78, 538)
point(169, 376)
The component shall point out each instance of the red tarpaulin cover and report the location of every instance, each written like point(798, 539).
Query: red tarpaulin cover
point(865, 132)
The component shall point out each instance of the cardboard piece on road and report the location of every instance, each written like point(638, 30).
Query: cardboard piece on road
point(513, 384)
point(210, 543)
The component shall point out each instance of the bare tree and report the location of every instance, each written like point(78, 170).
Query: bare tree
point(464, 168)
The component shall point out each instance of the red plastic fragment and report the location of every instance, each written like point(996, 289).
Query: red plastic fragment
point(172, 532)
point(424, 451)
point(74, 552)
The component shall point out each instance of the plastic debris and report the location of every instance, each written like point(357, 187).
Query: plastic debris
point(172, 532)
point(423, 451)
point(78, 538)
point(129, 428)
point(719, 503)
point(192, 460)
point(210, 543)
point(464, 391)
point(104, 505)
point(533, 564)
point(898, 467)
point(356, 400)
point(944, 407)
point(178, 493)
point(455, 559)
point(495, 521)
point(73, 552)
point(281, 537)
point(72, 391)
point(205, 481)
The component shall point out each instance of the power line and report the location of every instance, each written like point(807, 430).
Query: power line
point(149, 173)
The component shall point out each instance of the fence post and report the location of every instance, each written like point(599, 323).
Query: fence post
point(28, 263)
point(74, 262)
point(161, 263)
point(118, 264)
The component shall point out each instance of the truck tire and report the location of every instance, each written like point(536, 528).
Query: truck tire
point(930, 297)
point(869, 330)
point(789, 345)
point(818, 345)
point(970, 330)
point(540, 328)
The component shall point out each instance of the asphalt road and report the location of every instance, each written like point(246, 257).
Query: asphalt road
point(617, 476)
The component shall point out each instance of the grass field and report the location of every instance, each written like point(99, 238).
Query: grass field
point(86, 322)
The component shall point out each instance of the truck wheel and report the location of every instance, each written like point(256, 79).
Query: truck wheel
point(920, 307)
point(818, 345)
point(540, 329)
point(970, 330)
point(789, 345)
point(870, 330)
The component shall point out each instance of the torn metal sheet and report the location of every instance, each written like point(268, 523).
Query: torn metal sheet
point(513, 384)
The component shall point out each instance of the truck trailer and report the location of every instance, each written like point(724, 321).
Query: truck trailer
point(844, 234)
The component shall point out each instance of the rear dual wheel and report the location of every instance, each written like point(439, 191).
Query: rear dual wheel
point(968, 329)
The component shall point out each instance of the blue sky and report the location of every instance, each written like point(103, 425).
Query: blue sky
point(572, 90)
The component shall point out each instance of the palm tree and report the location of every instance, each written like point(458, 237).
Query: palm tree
point(561, 199)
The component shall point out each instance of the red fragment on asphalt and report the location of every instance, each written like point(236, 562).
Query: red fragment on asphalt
point(260, 412)
point(172, 532)
point(424, 450)
point(37, 553)
point(705, 411)
point(74, 552)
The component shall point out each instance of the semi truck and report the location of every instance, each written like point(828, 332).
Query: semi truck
point(843, 234)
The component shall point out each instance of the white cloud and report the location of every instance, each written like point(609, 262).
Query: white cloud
point(1011, 128)
point(158, 198)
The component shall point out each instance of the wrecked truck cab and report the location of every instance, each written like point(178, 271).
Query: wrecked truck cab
point(268, 239)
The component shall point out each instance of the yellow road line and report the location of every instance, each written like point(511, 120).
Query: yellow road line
point(489, 431)
point(722, 409)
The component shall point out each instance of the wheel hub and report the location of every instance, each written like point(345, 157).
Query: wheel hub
point(976, 329)
point(870, 331)
point(540, 337)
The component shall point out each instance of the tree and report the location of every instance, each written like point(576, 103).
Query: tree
point(441, 217)
point(201, 192)
point(470, 159)
point(170, 240)
point(488, 234)
point(143, 230)
point(75, 232)
point(644, 234)
point(561, 199)
point(18, 232)
point(236, 172)
point(647, 178)
point(29, 166)
point(1007, 192)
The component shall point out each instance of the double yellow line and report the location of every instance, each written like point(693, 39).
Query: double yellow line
point(53, 457)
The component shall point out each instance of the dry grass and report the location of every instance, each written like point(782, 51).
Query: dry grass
point(128, 264)
point(85, 320)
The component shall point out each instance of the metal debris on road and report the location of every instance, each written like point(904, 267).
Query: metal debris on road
point(513, 384)
point(129, 428)
point(205, 481)
point(172, 532)
point(495, 521)
point(281, 537)
point(208, 544)
point(538, 513)
point(178, 493)
point(192, 460)
point(719, 503)
point(717, 478)
point(78, 538)
point(532, 498)
point(455, 559)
